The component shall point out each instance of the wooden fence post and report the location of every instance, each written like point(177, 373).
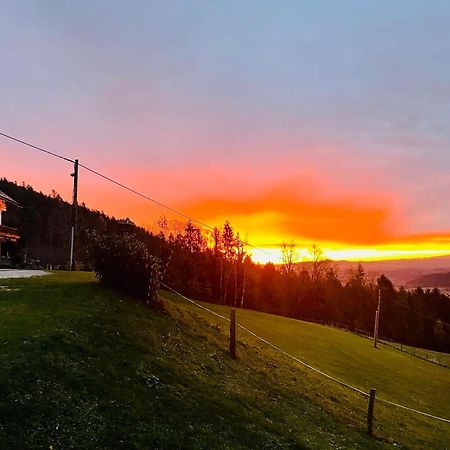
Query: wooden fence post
point(233, 333)
point(370, 411)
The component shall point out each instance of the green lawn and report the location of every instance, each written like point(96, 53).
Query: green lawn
point(397, 376)
point(83, 367)
point(438, 357)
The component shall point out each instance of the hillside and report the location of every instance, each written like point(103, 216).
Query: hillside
point(350, 358)
point(44, 222)
point(401, 271)
point(83, 367)
point(432, 280)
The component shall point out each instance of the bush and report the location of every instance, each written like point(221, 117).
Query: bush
point(123, 262)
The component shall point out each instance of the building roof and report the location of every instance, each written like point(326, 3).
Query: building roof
point(8, 199)
point(126, 221)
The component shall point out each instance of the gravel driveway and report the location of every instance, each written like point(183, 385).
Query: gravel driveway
point(13, 273)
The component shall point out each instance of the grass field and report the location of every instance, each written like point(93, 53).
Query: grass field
point(398, 377)
point(437, 357)
point(84, 367)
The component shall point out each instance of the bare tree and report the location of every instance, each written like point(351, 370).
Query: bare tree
point(244, 258)
point(217, 250)
point(239, 260)
point(318, 264)
point(289, 257)
point(163, 226)
point(170, 229)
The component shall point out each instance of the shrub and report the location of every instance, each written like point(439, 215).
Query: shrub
point(123, 262)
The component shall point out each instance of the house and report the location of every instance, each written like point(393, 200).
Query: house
point(126, 224)
point(7, 234)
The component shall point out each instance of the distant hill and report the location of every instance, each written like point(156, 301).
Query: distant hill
point(441, 279)
point(402, 272)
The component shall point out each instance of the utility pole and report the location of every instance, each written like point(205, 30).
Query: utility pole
point(377, 320)
point(74, 214)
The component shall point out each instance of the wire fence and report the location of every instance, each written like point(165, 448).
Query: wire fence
point(441, 359)
point(305, 364)
point(432, 356)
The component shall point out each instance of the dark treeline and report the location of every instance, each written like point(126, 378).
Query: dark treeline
point(217, 266)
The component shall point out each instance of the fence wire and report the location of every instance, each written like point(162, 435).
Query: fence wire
point(303, 363)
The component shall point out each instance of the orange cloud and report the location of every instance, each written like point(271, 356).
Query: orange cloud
point(292, 217)
point(272, 204)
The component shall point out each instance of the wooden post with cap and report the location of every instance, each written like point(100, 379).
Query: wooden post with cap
point(370, 411)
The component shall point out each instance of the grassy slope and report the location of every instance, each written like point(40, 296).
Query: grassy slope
point(397, 376)
point(82, 367)
point(441, 358)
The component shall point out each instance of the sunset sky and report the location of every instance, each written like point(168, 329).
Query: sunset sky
point(320, 121)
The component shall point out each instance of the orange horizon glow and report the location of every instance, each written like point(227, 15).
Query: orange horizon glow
point(265, 247)
point(346, 229)
point(345, 226)
point(265, 255)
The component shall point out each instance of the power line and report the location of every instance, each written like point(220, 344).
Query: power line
point(424, 315)
point(123, 186)
point(160, 204)
point(145, 197)
point(37, 148)
point(140, 194)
